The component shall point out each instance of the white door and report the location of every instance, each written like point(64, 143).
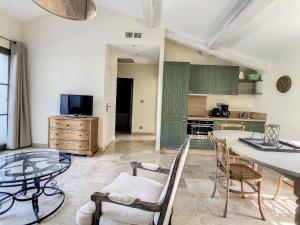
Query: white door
point(110, 105)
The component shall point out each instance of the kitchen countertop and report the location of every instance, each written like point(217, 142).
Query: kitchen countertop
point(224, 118)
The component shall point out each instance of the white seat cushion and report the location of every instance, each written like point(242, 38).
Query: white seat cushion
point(104, 220)
point(141, 187)
point(84, 215)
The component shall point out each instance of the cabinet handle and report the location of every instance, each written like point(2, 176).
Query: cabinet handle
point(56, 134)
point(68, 125)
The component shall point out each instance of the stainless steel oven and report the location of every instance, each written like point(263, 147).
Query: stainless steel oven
point(198, 129)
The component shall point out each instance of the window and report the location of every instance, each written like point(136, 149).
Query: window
point(4, 85)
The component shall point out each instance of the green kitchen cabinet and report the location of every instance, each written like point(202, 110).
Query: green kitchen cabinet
point(211, 79)
point(255, 126)
point(174, 104)
point(225, 80)
point(201, 144)
point(201, 79)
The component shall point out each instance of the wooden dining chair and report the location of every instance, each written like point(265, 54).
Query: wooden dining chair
point(234, 172)
point(233, 126)
point(282, 180)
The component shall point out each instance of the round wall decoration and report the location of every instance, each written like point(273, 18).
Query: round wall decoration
point(284, 84)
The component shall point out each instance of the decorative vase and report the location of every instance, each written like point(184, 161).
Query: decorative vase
point(271, 137)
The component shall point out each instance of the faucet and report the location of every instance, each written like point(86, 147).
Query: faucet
point(242, 114)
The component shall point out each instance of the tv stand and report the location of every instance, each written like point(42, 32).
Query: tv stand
point(75, 135)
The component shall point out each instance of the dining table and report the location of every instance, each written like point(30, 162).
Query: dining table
point(285, 163)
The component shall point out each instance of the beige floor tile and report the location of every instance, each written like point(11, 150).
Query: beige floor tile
point(193, 205)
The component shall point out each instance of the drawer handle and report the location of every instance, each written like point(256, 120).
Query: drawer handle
point(57, 123)
point(56, 144)
point(80, 135)
point(56, 134)
point(67, 125)
point(80, 146)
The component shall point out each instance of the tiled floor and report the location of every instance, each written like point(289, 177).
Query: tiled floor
point(193, 205)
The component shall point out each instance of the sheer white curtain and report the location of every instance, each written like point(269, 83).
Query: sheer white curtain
point(18, 130)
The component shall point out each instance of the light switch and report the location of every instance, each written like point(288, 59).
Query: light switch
point(141, 101)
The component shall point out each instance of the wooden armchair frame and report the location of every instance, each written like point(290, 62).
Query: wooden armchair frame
point(160, 207)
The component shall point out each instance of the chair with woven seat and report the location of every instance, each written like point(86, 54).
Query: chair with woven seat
point(282, 180)
point(234, 172)
point(233, 155)
point(136, 200)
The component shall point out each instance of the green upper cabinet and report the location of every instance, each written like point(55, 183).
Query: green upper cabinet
point(225, 80)
point(210, 79)
point(174, 104)
point(201, 78)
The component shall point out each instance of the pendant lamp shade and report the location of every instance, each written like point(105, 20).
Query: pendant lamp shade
point(70, 9)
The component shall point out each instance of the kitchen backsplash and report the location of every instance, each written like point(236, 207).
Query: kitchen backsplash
point(199, 105)
point(235, 102)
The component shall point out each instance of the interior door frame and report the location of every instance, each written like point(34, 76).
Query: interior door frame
point(131, 81)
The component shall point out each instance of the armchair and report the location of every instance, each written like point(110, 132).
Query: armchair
point(136, 200)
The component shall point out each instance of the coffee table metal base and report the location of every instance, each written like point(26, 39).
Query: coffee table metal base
point(39, 188)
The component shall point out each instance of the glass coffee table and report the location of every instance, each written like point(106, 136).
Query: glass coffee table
point(29, 176)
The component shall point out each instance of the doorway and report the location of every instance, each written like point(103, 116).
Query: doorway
point(124, 105)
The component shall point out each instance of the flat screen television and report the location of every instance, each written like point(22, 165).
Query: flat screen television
point(76, 105)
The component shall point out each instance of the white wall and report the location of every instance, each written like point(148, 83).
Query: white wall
point(180, 53)
point(145, 78)
point(282, 109)
point(235, 102)
point(9, 28)
point(69, 57)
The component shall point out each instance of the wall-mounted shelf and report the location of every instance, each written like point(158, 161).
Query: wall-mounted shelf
point(248, 87)
point(249, 81)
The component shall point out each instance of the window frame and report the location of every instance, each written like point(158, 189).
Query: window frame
point(5, 51)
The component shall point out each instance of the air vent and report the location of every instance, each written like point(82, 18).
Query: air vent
point(129, 35)
point(125, 60)
point(137, 35)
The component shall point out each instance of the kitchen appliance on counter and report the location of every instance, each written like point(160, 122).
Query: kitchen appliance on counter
point(216, 112)
point(224, 110)
point(198, 129)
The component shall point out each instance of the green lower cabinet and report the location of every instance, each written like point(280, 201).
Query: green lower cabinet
point(217, 122)
point(201, 144)
point(255, 126)
point(173, 132)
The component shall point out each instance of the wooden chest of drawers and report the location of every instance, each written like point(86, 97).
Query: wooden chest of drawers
point(73, 135)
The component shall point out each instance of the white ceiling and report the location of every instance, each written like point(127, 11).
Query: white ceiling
point(194, 17)
point(21, 10)
point(271, 34)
